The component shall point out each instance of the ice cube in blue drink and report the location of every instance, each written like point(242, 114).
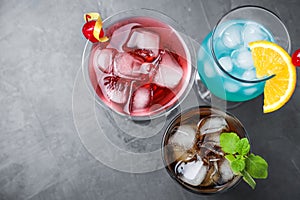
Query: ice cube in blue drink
point(209, 69)
point(253, 32)
point(242, 58)
point(230, 86)
point(250, 91)
point(249, 74)
point(232, 36)
point(226, 63)
point(220, 49)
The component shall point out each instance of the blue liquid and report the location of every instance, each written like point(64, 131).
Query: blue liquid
point(233, 53)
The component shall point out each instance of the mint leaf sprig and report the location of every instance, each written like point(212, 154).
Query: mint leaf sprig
point(242, 162)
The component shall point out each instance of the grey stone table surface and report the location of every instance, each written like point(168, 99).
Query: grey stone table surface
point(46, 151)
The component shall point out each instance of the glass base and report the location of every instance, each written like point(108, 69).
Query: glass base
point(211, 99)
point(114, 140)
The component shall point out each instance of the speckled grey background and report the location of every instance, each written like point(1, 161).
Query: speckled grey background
point(41, 155)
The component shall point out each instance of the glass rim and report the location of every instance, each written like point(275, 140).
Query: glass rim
point(133, 10)
point(257, 80)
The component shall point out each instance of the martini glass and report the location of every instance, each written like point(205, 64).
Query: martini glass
point(145, 69)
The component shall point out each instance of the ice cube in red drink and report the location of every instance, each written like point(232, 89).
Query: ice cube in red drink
point(144, 39)
point(141, 99)
point(115, 89)
point(103, 60)
point(131, 67)
point(169, 72)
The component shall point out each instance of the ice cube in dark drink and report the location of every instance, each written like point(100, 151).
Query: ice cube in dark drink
point(192, 152)
point(143, 69)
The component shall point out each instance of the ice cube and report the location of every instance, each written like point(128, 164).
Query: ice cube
point(116, 90)
point(185, 136)
point(250, 91)
point(231, 87)
point(225, 171)
point(212, 175)
point(226, 63)
point(141, 98)
point(144, 68)
point(144, 39)
point(180, 153)
point(210, 149)
point(201, 53)
point(249, 74)
point(120, 36)
point(219, 48)
point(242, 58)
point(103, 60)
point(232, 37)
point(127, 66)
point(212, 124)
point(253, 32)
point(209, 69)
point(169, 72)
point(192, 172)
point(213, 137)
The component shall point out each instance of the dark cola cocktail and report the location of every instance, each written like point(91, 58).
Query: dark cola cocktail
point(192, 152)
point(145, 66)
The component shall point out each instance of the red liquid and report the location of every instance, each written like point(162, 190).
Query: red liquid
point(140, 81)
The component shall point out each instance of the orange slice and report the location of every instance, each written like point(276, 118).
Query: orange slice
point(271, 59)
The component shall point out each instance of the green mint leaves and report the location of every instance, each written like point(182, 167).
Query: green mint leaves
point(257, 166)
point(241, 161)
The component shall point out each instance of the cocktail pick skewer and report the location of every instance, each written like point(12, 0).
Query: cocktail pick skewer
point(92, 29)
